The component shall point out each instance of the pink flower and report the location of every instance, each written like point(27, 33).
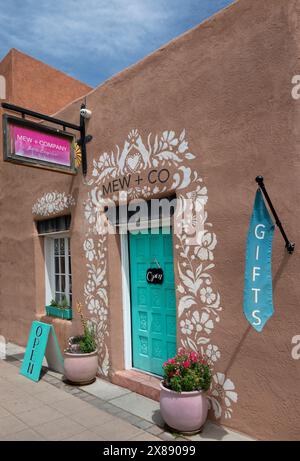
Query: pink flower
point(193, 356)
point(186, 364)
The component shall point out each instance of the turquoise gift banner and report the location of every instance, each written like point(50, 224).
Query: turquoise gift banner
point(42, 343)
point(258, 292)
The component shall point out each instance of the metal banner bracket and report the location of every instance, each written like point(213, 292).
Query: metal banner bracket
point(288, 245)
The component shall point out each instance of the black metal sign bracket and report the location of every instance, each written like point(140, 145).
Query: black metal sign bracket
point(81, 127)
point(289, 246)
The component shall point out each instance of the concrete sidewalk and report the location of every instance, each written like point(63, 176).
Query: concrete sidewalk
point(53, 410)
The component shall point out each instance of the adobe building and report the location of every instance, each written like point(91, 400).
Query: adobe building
point(200, 118)
point(36, 86)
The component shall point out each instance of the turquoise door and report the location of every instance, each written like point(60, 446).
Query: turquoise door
point(153, 306)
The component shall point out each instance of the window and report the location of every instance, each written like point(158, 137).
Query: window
point(58, 268)
point(59, 224)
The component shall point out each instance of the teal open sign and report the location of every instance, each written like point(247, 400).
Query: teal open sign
point(42, 343)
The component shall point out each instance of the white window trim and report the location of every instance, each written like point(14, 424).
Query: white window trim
point(125, 270)
point(49, 265)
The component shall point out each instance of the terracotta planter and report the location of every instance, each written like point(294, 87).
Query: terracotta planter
point(183, 411)
point(80, 369)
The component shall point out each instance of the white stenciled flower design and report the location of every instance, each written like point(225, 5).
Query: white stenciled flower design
point(186, 327)
point(52, 203)
point(202, 322)
point(195, 246)
point(103, 314)
point(89, 213)
point(223, 389)
point(168, 139)
point(213, 353)
point(89, 287)
point(207, 295)
point(94, 306)
point(199, 197)
point(207, 243)
point(89, 249)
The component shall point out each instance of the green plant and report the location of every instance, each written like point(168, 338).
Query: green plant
point(64, 303)
point(187, 372)
point(88, 343)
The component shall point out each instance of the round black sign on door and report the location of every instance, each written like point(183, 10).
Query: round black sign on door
point(155, 276)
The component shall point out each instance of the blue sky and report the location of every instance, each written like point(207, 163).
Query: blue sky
point(94, 39)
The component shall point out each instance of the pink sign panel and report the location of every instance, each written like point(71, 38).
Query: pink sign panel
point(40, 146)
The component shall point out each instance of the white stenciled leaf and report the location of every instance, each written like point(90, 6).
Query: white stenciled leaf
point(167, 155)
point(190, 156)
point(182, 135)
point(210, 266)
point(199, 270)
point(203, 340)
point(103, 295)
point(104, 366)
point(181, 180)
point(217, 409)
point(185, 303)
point(155, 148)
point(189, 283)
point(184, 343)
point(192, 344)
point(106, 172)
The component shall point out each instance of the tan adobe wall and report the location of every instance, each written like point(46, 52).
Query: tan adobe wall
point(34, 85)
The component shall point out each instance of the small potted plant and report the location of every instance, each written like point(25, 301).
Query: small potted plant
point(61, 310)
point(81, 356)
point(183, 402)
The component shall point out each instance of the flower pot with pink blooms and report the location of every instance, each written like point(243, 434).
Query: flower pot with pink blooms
point(183, 400)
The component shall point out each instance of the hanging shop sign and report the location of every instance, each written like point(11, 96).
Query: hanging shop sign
point(258, 292)
point(155, 276)
point(33, 144)
point(42, 343)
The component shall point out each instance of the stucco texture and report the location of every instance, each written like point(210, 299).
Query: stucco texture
point(34, 85)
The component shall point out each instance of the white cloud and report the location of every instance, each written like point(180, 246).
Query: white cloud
point(97, 26)
point(77, 35)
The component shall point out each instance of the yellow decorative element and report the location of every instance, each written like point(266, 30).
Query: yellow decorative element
point(82, 319)
point(78, 155)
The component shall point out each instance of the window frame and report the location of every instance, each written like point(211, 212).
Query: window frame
point(50, 273)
